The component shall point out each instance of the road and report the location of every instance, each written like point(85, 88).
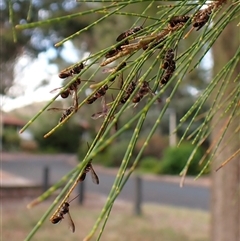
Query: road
point(153, 189)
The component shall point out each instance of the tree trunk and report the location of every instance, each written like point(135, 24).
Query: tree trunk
point(225, 201)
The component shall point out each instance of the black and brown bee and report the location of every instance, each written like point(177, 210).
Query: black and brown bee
point(71, 71)
point(144, 90)
point(70, 90)
point(175, 20)
point(90, 169)
point(114, 70)
point(169, 65)
point(201, 18)
point(130, 89)
point(128, 33)
point(60, 216)
point(66, 112)
point(121, 38)
point(100, 92)
point(168, 58)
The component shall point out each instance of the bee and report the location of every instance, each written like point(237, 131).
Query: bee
point(115, 51)
point(111, 53)
point(177, 19)
point(72, 88)
point(169, 65)
point(66, 112)
point(168, 74)
point(71, 71)
point(168, 59)
point(102, 113)
point(90, 169)
point(59, 216)
point(129, 91)
point(144, 90)
point(62, 212)
point(166, 77)
point(201, 18)
point(114, 70)
point(100, 92)
point(129, 32)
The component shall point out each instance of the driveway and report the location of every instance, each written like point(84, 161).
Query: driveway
point(156, 189)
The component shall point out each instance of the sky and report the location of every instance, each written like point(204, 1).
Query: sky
point(32, 73)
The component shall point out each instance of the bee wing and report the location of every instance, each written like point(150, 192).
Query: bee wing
point(55, 109)
point(98, 115)
point(88, 80)
point(70, 222)
point(101, 113)
point(108, 70)
point(94, 176)
point(75, 100)
point(121, 81)
point(159, 100)
point(56, 89)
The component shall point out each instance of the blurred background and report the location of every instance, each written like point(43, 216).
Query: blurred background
point(152, 206)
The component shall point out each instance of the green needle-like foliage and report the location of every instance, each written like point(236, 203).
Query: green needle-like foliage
point(149, 46)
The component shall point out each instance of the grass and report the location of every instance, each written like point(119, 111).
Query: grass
point(160, 223)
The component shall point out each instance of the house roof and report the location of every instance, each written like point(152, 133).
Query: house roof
point(12, 120)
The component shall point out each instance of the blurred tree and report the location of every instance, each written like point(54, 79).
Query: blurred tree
point(226, 182)
point(67, 139)
point(31, 42)
point(10, 139)
point(39, 39)
point(230, 179)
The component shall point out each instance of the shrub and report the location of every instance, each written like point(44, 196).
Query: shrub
point(175, 158)
point(155, 148)
point(10, 139)
point(110, 157)
point(150, 165)
point(113, 155)
point(65, 139)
